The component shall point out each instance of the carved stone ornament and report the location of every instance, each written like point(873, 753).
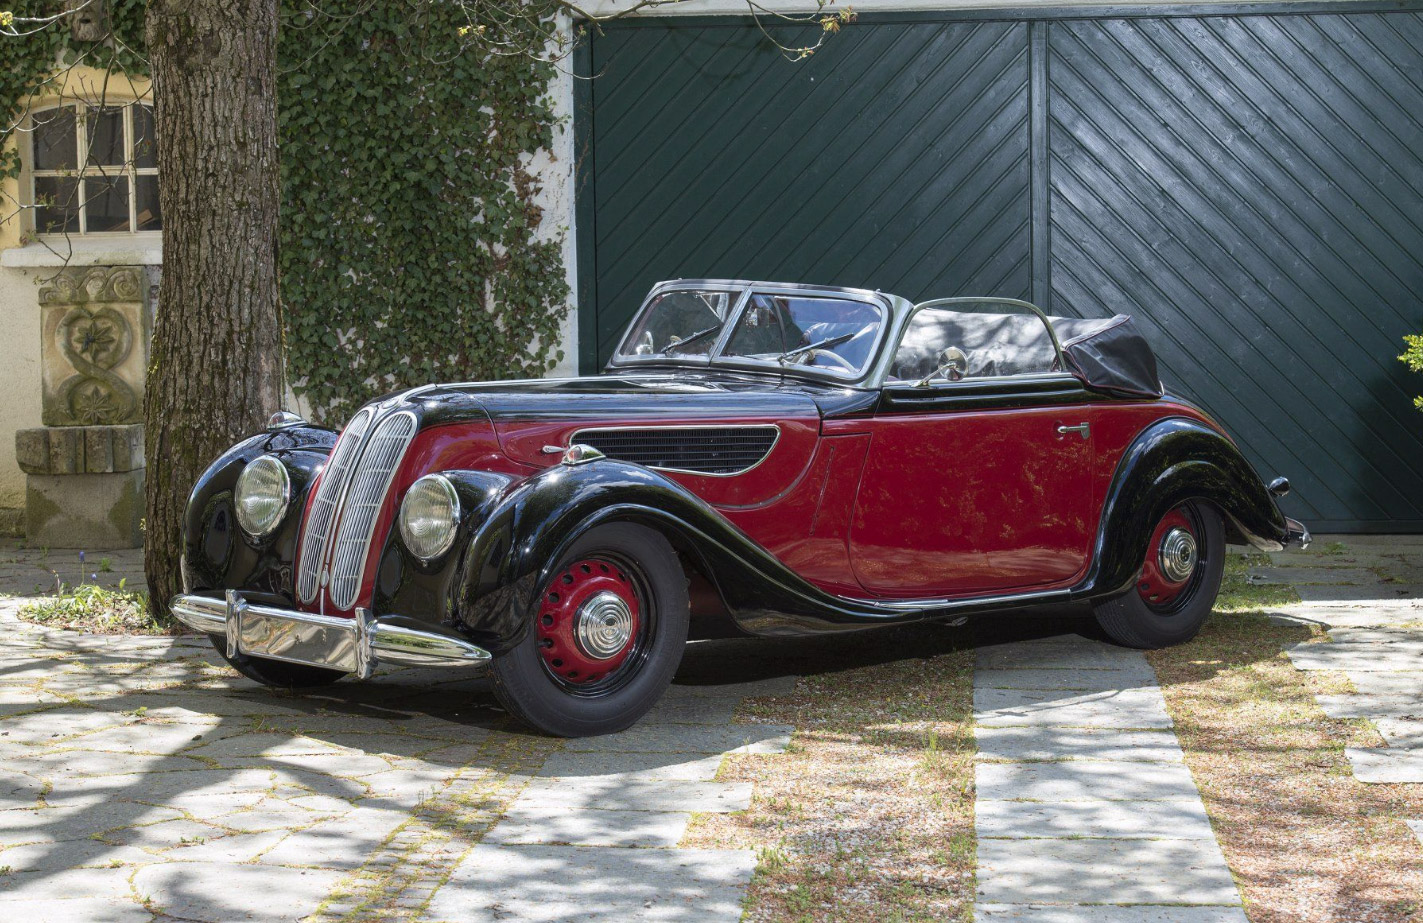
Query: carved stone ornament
point(95, 327)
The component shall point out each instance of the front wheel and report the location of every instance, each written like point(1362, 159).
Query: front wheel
point(1177, 584)
point(606, 637)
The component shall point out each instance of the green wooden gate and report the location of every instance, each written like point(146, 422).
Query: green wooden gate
point(1248, 184)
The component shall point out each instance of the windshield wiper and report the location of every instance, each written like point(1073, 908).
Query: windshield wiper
point(826, 343)
point(696, 336)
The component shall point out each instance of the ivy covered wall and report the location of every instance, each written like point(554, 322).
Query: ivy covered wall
point(412, 245)
point(409, 251)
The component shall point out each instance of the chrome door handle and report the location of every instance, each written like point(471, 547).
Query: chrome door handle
point(1083, 429)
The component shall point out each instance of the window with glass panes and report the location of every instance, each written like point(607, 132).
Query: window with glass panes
point(95, 170)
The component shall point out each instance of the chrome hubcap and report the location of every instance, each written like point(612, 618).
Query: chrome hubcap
point(603, 626)
point(1178, 555)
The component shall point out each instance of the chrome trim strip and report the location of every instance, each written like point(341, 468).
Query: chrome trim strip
point(322, 518)
point(350, 645)
point(574, 439)
point(369, 485)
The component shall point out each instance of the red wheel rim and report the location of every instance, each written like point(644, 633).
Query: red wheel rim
point(588, 622)
point(1174, 545)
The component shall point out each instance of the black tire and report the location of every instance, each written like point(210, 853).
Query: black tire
point(525, 686)
point(276, 673)
point(1131, 621)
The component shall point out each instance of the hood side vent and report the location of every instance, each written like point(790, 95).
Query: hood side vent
point(711, 450)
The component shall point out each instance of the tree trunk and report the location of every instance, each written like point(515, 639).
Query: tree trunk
point(216, 371)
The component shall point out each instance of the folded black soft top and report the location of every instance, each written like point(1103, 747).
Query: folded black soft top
point(1109, 354)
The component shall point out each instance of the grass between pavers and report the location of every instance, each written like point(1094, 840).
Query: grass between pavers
point(1304, 839)
point(869, 814)
point(99, 610)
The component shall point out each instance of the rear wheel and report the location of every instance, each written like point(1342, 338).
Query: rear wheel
point(607, 636)
point(276, 673)
point(1177, 584)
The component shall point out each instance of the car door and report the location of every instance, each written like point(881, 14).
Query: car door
point(980, 479)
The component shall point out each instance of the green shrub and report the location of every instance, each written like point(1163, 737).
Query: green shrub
point(1413, 358)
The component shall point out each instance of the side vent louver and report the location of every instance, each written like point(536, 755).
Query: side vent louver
point(716, 450)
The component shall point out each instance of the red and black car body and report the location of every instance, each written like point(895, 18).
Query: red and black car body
point(598, 522)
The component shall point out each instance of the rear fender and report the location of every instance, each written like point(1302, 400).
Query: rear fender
point(1170, 462)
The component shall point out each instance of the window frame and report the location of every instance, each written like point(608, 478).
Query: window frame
point(84, 170)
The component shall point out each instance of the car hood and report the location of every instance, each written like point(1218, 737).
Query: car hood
point(630, 398)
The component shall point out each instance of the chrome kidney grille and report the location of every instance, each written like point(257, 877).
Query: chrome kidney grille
point(342, 520)
point(324, 504)
point(362, 503)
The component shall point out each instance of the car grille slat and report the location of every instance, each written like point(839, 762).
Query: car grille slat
point(324, 504)
point(368, 488)
point(719, 450)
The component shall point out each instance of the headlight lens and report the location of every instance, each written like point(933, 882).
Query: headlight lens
point(263, 492)
point(429, 516)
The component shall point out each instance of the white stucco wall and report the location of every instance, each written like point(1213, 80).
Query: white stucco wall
point(20, 359)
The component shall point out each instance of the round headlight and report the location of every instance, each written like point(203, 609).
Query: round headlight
point(429, 516)
point(263, 492)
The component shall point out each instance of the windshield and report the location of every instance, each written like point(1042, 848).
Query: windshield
point(831, 334)
point(682, 323)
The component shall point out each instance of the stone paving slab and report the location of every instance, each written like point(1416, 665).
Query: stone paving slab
point(1314, 574)
point(552, 884)
point(218, 893)
point(1098, 871)
point(1083, 780)
point(1417, 827)
point(1383, 593)
point(1386, 764)
point(1394, 682)
point(638, 795)
point(1050, 743)
point(1105, 913)
point(1401, 732)
point(72, 910)
point(1134, 708)
point(626, 767)
point(1077, 655)
point(1155, 820)
point(671, 738)
point(1363, 658)
point(1371, 706)
point(1084, 680)
point(528, 823)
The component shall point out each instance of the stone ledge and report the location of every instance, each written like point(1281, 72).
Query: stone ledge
point(80, 449)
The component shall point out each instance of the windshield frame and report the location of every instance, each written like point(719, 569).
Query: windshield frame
point(715, 358)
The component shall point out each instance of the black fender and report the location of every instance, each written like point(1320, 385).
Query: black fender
point(217, 554)
point(513, 553)
point(1174, 460)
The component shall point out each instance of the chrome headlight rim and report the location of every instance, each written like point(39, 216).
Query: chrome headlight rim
point(430, 487)
point(262, 465)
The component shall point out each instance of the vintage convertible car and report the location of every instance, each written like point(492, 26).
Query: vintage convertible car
point(757, 459)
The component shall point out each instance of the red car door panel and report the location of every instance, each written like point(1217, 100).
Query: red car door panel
point(974, 502)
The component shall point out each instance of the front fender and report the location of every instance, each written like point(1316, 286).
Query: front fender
point(216, 553)
point(1170, 462)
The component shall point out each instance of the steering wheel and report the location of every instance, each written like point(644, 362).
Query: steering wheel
point(835, 360)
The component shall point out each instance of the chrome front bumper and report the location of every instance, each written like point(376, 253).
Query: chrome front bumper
point(351, 645)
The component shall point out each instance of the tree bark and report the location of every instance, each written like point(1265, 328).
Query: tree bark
point(216, 371)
